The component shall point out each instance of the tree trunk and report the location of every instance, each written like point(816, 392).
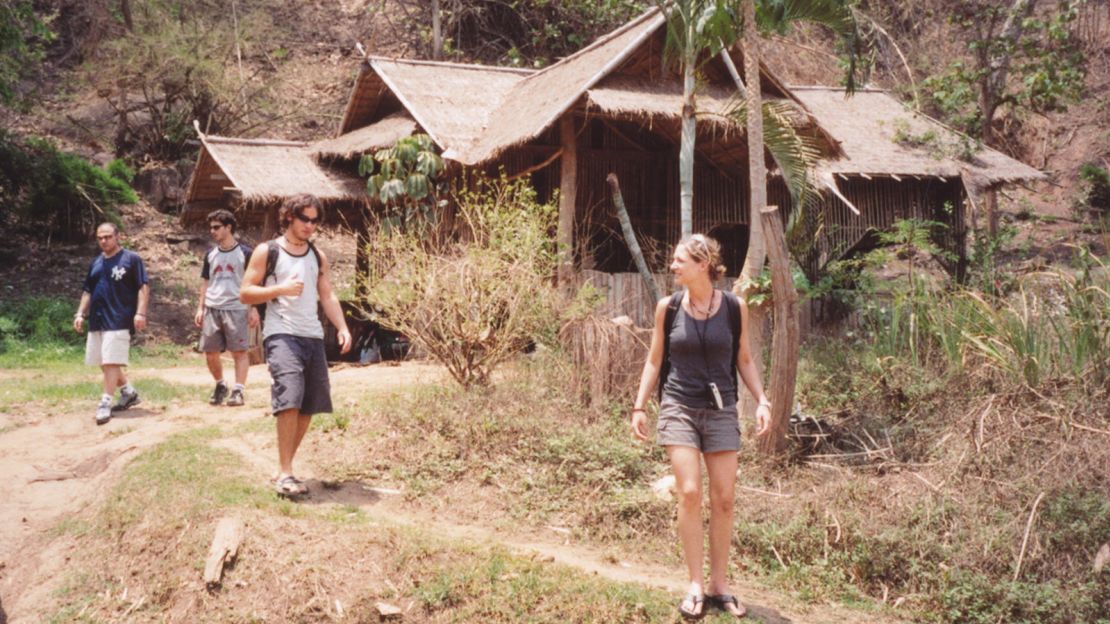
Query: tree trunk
point(786, 342)
point(125, 10)
point(753, 262)
point(689, 127)
point(568, 192)
point(630, 239)
point(437, 31)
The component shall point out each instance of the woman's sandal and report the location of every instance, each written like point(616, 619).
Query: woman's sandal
point(289, 486)
point(728, 603)
point(697, 602)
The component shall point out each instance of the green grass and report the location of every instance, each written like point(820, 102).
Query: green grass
point(70, 358)
point(186, 477)
point(43, 389)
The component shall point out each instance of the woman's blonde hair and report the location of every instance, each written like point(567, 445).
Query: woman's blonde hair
point(705, 249)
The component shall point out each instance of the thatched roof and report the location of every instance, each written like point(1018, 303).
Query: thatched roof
point(474, 113)
point(377, 135)
point(536, 102)
point(640, 98)
point(262, 170)
point(882, 137)
point(450, 101)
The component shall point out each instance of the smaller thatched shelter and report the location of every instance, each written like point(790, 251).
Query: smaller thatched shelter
point(254, 175)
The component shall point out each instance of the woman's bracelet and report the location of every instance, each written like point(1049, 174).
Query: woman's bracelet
point(765, 403)
point(638, 409)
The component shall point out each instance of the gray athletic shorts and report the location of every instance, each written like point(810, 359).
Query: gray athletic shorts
point(224, 330)
point(299, 370)
point(708, 430)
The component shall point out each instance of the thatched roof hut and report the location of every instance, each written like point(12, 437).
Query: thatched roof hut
point(614, 107)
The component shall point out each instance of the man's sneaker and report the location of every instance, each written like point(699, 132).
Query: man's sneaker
point(103, 412)
point(219, 394)
point(236, 398)
point(126, 400)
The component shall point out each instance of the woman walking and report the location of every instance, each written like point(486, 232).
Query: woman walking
point(698, 346)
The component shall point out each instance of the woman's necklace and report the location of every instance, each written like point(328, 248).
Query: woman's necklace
point(708, 306)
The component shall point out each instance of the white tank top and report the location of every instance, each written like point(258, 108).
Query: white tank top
point(296, 316)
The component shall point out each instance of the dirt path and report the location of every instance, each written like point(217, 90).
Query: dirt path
point(62, 463)
point(58, 464)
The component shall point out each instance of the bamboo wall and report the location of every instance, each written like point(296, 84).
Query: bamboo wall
point(881, 202)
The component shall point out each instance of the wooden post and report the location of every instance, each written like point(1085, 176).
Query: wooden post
point(786, 342)
point(568, 193)
point(630, 240)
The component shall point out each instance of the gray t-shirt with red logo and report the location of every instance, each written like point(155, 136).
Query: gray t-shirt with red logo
point(224, 268)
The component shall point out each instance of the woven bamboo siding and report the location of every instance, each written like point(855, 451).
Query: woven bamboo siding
point(882, 201)
point(368, 89)
point(649, 184)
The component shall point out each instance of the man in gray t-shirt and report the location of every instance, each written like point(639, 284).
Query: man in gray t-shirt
point(223, 319)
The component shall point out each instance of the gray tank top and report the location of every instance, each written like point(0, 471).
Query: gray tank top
point(692, 368)
point(296, 316)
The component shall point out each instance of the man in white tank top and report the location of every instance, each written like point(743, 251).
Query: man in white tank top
point(293, 336)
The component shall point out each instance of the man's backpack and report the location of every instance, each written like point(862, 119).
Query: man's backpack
point(272, 253)
point(731, 303)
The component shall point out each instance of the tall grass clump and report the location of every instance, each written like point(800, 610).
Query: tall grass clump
point(969, 428)
point(1053, 328)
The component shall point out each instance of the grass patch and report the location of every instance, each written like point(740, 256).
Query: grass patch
point(70, 357)
point(528, 451)
point(44, 389)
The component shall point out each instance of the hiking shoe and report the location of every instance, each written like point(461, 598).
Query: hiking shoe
point(236, 398)
point(219, 394)
point(126, 400)
point(103, 412)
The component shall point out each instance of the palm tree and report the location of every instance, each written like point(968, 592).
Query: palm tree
point(693, 27)
point(778, 16)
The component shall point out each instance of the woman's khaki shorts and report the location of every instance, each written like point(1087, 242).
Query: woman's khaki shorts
point(708, 430)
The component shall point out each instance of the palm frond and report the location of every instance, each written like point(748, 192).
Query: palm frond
point(796, 156)
point(714, 24)
point(837, 15)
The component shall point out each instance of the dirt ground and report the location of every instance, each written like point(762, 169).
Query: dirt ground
point(61, 463)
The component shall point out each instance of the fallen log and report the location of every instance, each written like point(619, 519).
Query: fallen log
point(224, 549)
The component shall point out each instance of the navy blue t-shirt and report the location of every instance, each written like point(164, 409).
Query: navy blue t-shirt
point(114, 284)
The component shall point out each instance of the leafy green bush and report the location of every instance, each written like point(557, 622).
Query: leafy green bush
point(58, 193)
point(1094, 189)
point(40, 319)
point(23, 35)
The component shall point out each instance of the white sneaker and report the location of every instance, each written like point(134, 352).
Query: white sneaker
point(126, 400)
point(103, 412)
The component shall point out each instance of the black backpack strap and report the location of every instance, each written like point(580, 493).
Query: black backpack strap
point(732, 303)
point(668, 324)
point(272, 252)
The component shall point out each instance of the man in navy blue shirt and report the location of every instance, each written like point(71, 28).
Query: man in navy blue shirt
point(115, 301)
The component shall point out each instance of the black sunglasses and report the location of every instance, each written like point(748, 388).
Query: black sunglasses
point(301, 217)
point(215, 226)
